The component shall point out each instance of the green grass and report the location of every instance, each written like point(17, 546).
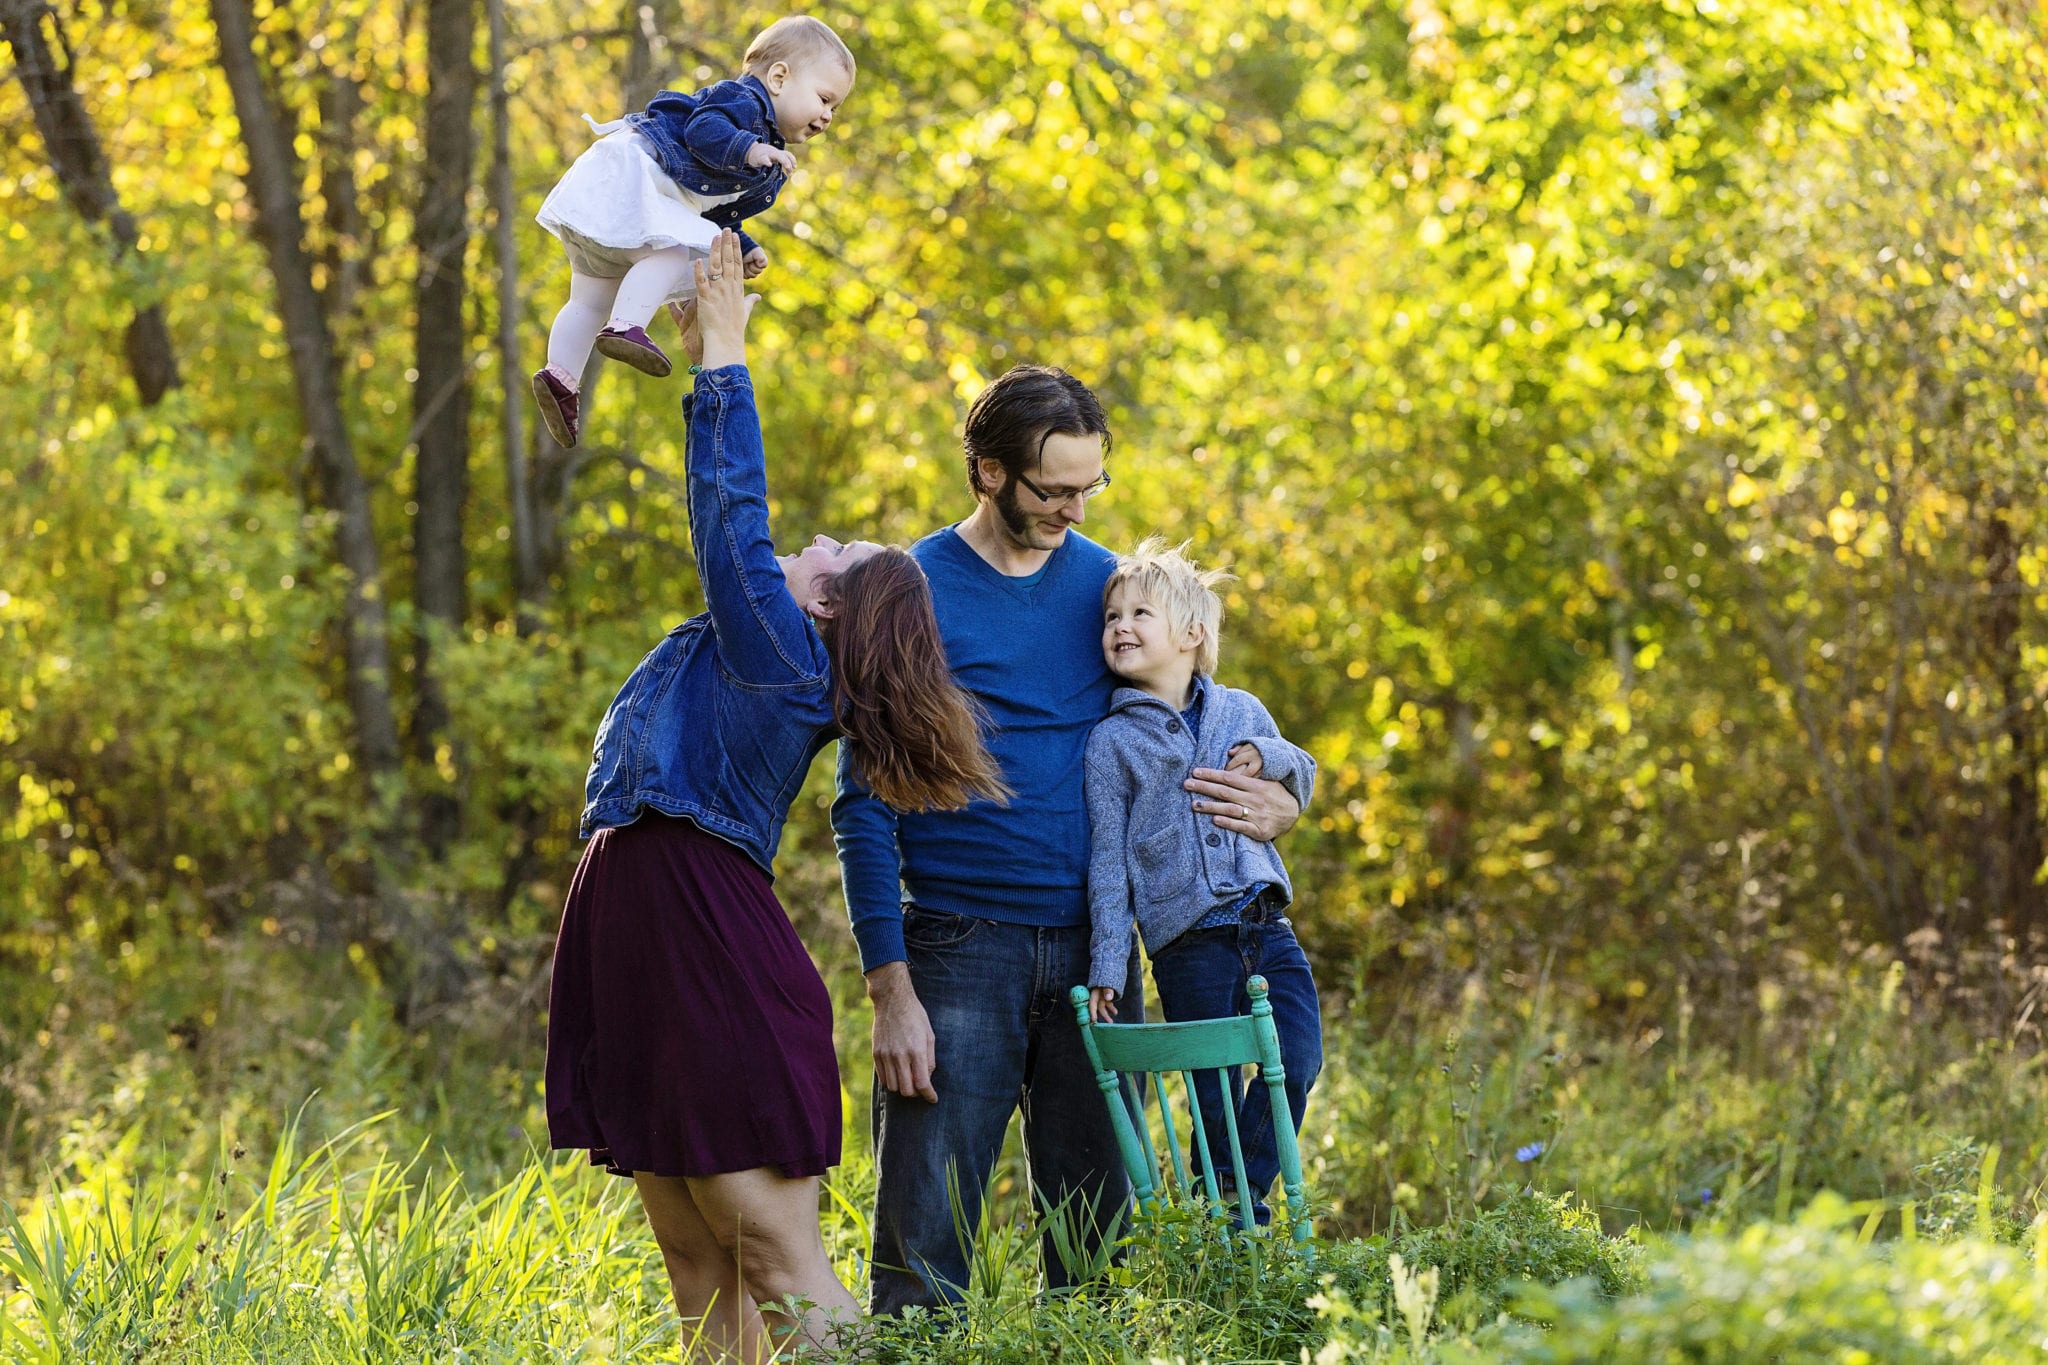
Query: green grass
point(171, 1195)
point(339, 1254)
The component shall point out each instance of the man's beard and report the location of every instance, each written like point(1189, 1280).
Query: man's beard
point(1023, 528)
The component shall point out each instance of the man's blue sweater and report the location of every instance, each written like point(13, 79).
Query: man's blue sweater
point(1030, 650)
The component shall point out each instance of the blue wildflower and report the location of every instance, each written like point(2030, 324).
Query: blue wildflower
point(1529, 1153)
point(1706, 1196)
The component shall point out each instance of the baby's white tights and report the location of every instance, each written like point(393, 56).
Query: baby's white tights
point(630, 301)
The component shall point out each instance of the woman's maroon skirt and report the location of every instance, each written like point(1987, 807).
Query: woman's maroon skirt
point(689, 1033)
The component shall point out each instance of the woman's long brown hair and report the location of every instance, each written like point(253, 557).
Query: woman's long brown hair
point(914, 733)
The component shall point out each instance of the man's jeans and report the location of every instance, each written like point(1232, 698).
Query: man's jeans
point(997, 997)
point(1202, 975)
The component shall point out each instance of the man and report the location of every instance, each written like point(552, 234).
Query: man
point(973, 925)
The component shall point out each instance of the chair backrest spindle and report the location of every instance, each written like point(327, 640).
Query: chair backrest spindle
point(1176, 1162)
point(1202, 1146)
point(1244, 1194)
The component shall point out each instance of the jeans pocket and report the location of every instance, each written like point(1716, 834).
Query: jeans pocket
point(936, 931)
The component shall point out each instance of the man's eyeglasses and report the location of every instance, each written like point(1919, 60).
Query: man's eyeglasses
point(1058, 497)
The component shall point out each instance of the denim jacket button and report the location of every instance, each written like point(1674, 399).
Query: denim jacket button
point(1214, 840)
point(1173, 727)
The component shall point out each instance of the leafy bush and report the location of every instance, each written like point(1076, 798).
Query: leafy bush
point(1529, 1238)
point(1810, 1290)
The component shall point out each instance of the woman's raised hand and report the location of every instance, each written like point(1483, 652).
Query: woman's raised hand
point(722, 305)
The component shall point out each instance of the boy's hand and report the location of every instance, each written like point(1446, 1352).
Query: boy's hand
point(762, 154)
point(1245, 758)
point(755, 261)
point(1101, 1004)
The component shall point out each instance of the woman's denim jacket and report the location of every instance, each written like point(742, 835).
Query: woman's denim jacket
point(719, 723)
point(701, 142)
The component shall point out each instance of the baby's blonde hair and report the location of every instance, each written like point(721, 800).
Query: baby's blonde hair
point(1186, 594)
point(795, 39)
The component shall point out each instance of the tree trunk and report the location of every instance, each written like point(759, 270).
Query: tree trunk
point(529, 580)
point(441, 392)
point(341, 250)
point(650, 58)
point(2018, 860)
point(80, 163)
point(552, 473)
point(1450, 815)
point(273, 183)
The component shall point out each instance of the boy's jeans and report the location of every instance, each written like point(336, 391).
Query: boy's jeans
point(997, 997)
point(1202, 975)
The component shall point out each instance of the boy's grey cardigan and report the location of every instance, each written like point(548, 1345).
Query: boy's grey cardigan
point(1154, 860)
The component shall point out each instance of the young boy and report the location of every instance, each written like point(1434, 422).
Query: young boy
point(1209, 902)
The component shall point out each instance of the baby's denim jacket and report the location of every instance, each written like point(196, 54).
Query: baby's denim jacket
point(701, 142)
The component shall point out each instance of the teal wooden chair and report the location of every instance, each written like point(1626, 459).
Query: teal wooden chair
point(1158, 1051)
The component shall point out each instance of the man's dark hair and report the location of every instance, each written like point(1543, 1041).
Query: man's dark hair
point(1009, 422)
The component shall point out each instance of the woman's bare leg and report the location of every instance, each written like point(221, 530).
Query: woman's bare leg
point(768, 1225)
point(718, 1316)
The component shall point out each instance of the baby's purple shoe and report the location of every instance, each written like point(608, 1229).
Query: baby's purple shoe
point(558, 405)
point(635, 348)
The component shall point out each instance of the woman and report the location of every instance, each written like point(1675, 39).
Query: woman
point(689, 1034)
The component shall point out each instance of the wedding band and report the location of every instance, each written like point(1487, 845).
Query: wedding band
point(1244, 812)
point(718, 274)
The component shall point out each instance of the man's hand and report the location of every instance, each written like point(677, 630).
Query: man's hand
point(1245, 758)
point(1263, 809)
point(755, 261)
point(1101, 1004)
point(906, 1051)
point(762, 154)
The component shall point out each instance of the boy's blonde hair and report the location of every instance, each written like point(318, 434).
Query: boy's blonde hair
point(1186, 594)
point(796, 39)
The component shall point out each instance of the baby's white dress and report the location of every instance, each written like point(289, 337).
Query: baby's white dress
point(614, 206)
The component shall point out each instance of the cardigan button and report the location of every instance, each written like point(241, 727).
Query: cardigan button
point(1173, 727)
point(1214, 840)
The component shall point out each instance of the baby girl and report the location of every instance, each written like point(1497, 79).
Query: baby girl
point(648, 197)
